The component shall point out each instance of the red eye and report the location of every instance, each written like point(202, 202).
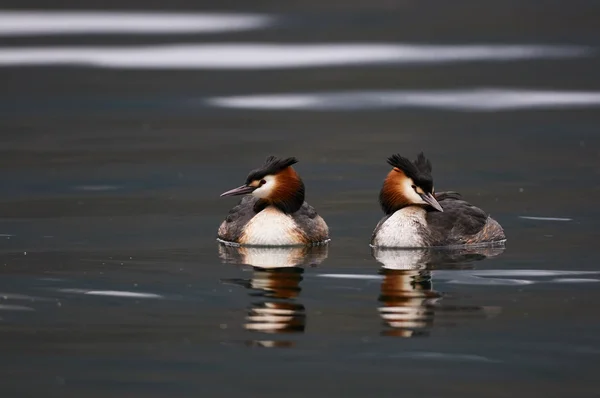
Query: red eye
point(263, 182)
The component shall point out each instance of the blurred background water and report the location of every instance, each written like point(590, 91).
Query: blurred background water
point(122, 122)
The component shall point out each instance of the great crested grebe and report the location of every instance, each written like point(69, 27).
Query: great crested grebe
point(274, 212)
point(416, 217)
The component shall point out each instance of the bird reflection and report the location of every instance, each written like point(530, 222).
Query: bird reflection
point(409, 304)
point(276, 277)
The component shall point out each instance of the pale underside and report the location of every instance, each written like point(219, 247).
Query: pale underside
point(272, 227)
point(402, 229)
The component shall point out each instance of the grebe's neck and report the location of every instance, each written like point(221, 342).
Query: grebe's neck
point(391, 196)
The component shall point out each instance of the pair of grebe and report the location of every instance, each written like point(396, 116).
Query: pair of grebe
point(274, 213)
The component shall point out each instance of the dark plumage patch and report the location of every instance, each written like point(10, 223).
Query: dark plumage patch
point(419, 170)
point(260, 205)
point(461, 223)
point(232, 228)
point(272, 165)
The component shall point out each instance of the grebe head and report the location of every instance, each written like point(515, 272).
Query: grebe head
point(275, 183)
point(409, 183)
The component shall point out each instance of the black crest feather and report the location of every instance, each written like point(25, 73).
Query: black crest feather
point(272, 165)
point(423, 164)
point(419, 170)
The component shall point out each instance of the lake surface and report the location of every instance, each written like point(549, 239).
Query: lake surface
point(118, 132)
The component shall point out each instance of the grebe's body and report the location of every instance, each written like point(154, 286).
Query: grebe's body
point(416, 217)
point(271, 226)
point(459, 224)
point(275, 213)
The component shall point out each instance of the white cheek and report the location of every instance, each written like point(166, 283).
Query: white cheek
point(412, 195)
point(266, 189)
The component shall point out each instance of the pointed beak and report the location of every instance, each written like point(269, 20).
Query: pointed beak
point(243, 190)
point(427, 197)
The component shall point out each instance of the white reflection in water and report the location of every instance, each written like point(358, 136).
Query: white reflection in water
point(274, 56)
point(276, 279)
point(546, 218)
point(442, 356)
point(409, 304)
point(22, 297)
point(350, 276)
point(458, 100)
point(574, 280)
point(113, 293)
point(491, 277)
point(522, 272)
point(96, 188)
point(501, 277)
point(8, 307)
point(474, 280)
point(272, 257)
point(28, 23)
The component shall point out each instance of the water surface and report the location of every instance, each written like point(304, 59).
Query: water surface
point(116, 144)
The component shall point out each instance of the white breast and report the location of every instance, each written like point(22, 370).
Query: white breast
point(272, 227)
point(402, 229)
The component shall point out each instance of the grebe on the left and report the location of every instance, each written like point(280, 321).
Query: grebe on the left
point(274, 212)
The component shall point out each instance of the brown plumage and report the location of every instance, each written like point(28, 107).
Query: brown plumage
point(392, 196)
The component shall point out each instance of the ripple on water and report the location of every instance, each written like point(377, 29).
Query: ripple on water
point(30, 23)
point(114, 293)
point(96, 188)
point(480, 99)
point(277, 56)
point(10, 307)
point(432, 355)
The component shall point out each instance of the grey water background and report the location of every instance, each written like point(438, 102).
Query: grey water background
point(111, 280)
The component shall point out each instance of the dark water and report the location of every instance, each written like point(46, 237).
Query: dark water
point(112, 160)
